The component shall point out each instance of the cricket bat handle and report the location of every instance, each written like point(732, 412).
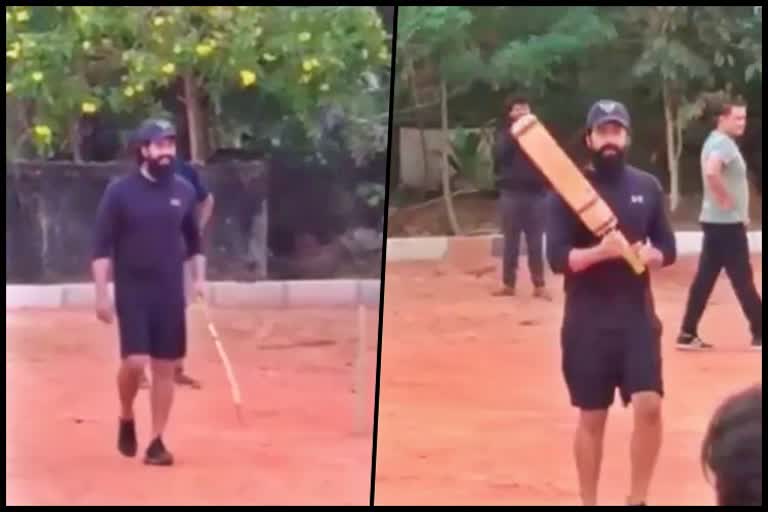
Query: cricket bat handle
point(630, 256)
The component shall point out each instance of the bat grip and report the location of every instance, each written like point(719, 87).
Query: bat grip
point(631, 257)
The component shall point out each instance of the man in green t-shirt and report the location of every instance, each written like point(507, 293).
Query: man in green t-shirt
point(724, 220)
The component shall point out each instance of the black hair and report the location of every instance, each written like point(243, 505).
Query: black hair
point(733, 449)
point(511, 101)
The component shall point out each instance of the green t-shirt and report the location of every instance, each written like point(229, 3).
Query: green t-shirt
point(734, 177)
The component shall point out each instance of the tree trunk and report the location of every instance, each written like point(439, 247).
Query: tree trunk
point(419, 120)
point(195, 122)
point(449, 208)
point(674, 143)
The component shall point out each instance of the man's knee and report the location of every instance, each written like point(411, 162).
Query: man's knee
point(164, 368)
point(136, 363)
point(593, 422)
point(647, 406)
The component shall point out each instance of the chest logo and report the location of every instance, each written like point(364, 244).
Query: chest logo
point(637, 199)
point(176, 202)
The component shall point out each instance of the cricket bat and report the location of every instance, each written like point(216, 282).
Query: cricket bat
point(570, 183)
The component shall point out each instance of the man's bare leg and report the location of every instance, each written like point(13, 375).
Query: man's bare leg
point(588, 448)
point(161, 397)
point(646, 443)
point(128, 380)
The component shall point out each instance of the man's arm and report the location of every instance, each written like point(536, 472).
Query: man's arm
point(563, 257)
point(713, 174)
point(191, 231)
point(661, 236)
point(103, 247)
point(205, 210)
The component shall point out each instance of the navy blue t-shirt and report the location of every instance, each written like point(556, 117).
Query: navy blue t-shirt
point(138, 225)
point(610, 292)
point(190, 174)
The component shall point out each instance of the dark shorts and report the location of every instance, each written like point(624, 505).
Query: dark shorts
point(151, 322)
point(598, 361)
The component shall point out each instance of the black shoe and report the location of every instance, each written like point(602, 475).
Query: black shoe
point(691, 342)
point(757, 344)
point(126, 438)
point(157, 455)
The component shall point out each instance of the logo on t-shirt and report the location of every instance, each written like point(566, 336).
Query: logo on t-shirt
point(637, 199)
point(176, 202)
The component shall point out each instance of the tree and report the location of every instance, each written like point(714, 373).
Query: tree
point(687, 51)
point(74, 61)
point(448, 50)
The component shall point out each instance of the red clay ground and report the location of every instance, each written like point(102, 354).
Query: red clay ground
point(299, 445)
point(474, 409)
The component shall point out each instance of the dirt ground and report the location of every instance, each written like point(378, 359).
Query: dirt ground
point(474, 409)
point(301, 443)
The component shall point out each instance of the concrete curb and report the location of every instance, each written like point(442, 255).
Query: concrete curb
point(438, 248)
point(350, 292)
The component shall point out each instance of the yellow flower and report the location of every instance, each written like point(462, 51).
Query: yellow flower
point(15, 46)
point(365, 54)
point(88, 107)
point(129, 91)
point(212, 43)
point(384, 54)
point(269, 57)
point(177, 49)
point(140, 88)
point(315, 63)
point(203, 50)
point(7, 16)
point(43, 132)
point(307, 65)
point(8, 87)
point(22, 16)
point(325, 87)
point(37, 76)
point(247, 78)
point(257, 32)
point(86, 45)
point(169, 68)
point(158, 21)
point(304, 37)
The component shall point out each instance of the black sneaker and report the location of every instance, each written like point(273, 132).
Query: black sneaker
point(757, 344)
point(691, 342)
point(126, 438)
point(157, 455)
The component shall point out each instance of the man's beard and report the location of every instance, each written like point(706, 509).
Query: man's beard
point(608, 165)
point(160, 168)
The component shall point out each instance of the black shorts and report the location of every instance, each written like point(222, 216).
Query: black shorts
point(151, 322)
point(597, 361)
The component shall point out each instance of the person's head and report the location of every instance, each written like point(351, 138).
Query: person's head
point(516, 107)
point(731, 117)
point(155, 142)
point(733, 449)
point(607, 135)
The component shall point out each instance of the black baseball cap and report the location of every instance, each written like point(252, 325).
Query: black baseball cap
point(608, 111)
point(153, 130)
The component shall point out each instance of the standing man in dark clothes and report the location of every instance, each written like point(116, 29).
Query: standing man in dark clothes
point(146, 228)
point(522, 203)
point(205, 211)
point(611, 336)
point(724, 219)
